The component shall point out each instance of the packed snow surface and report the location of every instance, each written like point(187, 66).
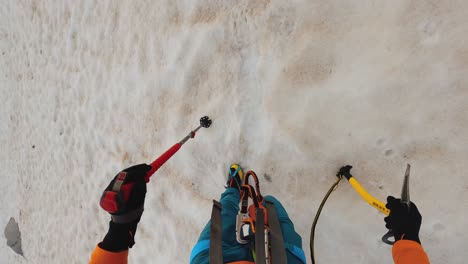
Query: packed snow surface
point(296, 89)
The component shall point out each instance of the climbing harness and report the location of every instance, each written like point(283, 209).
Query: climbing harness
point(252, 221)
point(277, 252)
point(256, 225)
point(216, 229)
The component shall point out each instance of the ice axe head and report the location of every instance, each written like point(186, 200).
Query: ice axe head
point(205, 122)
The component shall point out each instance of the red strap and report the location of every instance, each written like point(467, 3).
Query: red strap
point(119, 181)
point(126, 189)
point(253, 215)
point(109, 202)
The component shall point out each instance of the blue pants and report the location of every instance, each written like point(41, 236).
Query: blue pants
point(232, 250)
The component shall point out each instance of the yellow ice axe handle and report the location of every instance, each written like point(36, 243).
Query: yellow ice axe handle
point(377, 204)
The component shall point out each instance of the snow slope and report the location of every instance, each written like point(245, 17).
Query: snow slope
point(296, 89)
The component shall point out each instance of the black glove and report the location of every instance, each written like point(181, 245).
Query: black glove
point(404, 223)
point(124, 199)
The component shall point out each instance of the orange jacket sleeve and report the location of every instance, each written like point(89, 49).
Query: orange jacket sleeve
point(101, 256)
point(409, 252)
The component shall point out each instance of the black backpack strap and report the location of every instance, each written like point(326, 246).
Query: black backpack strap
point(216, 238)
point(260, 237)
point(278, 251)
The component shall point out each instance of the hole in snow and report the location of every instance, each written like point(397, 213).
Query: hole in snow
point(267, 177)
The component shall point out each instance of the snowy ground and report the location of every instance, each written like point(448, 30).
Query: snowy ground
point(296, 89)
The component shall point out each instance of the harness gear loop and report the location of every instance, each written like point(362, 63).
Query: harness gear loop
point(252, 221)
point(252, 226)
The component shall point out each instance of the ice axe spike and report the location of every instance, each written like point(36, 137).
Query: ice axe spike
point(405, 199)
point(157, 163)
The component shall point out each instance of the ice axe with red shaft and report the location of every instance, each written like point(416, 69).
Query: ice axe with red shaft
point(157, 163)
point(115, 196)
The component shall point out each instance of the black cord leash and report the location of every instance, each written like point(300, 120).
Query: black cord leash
point(312, 231)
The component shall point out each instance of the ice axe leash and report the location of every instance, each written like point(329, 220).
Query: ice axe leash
point(314, 224)
point(374, 202)
point(113, 199)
